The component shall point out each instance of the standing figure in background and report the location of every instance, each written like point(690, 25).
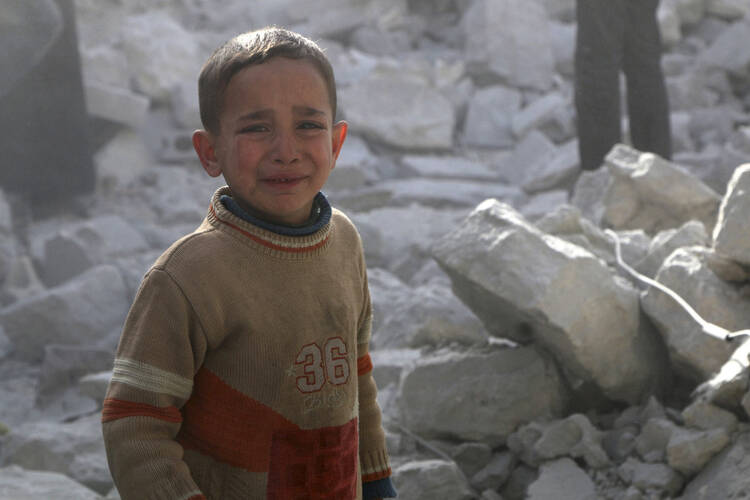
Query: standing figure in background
point(616, 35)
point(46, 156)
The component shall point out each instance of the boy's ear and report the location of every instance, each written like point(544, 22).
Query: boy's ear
point(204, 144)
point(337, 138)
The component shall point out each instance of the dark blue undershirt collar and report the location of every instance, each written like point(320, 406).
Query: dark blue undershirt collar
point(320, 217)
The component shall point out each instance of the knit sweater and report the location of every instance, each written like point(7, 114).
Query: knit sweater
point(243, 369)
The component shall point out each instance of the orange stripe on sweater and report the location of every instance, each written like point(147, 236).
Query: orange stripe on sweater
point(114, 409)
point(366, 478)
point(267, 243)
point(364, 364)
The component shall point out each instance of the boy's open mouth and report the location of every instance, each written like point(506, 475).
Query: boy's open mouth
point(283, 180)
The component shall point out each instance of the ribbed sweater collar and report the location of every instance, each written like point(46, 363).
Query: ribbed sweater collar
point(319, 219)
point(270, 238)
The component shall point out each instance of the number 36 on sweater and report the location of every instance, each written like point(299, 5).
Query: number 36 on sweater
point(329, 364)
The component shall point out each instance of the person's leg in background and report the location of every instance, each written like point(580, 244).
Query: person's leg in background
point(648, 104)
point(598, 59)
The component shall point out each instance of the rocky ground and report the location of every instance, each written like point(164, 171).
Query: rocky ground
point(515, 358)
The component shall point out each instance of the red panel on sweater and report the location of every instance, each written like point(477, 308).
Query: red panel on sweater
point(233, 428)
point(314, 464)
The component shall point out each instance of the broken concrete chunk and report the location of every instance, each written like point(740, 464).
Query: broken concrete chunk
point(479, 395)
point(527, 285)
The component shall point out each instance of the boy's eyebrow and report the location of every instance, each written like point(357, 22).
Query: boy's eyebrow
point(255, 115)
point(307, 111)
point(266, 113)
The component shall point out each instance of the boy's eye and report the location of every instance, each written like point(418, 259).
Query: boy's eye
point(310, 125)
point(253, 129)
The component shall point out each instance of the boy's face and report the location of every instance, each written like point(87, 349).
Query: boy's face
point(277, 142)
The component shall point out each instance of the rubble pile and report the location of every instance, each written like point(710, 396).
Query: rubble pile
point(515, 358)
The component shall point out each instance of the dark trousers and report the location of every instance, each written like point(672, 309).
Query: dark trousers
point(615, 35)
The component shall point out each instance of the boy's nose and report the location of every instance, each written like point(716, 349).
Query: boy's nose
point(285, 149)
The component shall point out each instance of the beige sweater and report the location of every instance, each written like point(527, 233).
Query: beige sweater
point(243, 369)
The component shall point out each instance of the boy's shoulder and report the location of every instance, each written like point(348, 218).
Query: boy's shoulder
point(193, 247)
point(344, 226)
point(340, 218)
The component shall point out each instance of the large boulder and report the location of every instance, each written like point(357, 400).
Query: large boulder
point(694, 354)
point(730, 233)
point(650, 193)
point(80, 312)
point(479, 395)
point(527, 285)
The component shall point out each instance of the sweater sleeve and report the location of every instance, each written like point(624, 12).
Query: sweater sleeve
point(161, 348)
point(374, 460)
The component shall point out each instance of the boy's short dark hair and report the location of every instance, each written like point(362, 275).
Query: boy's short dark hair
point(246, 49)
